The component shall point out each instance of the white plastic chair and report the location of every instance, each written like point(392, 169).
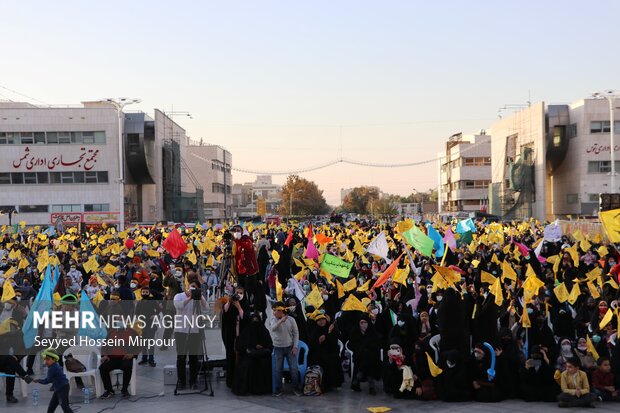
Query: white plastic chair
point(434, 343)
point(133, 381)
point(89, 357)
point(349, 354)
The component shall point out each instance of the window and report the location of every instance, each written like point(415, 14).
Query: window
point(78, 177)
point(102, 177)
point(39, 137)
point(64, 137)
point(91, 177)
point(42, 177)
point(572, 198)
point(30, 178)
point(88, 137)
point(76, 137)
point(17, 178)
point(217, 188)
point(52, 137)
point(99, 137)
point(601, 167)
point(54, 177)
point(6, 208)
point(67, 208)
point(96, 207)
point(603, 126)
point(25, 209)
point(593, 197)
point(27, 138)
point(5, 178)
point(572, 130)
point(66, 177)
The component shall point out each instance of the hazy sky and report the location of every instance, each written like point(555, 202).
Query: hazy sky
point(285, 84)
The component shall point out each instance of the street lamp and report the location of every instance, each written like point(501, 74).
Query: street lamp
point(10, 213)
point(611, 96)
point(119, 104)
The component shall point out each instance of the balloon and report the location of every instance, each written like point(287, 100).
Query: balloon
point(129, 243)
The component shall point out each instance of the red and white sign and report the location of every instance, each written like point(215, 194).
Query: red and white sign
point(90, 218)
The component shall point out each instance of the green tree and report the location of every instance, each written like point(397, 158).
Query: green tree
point(302, 197)
point(361, 199)
point(386, 205)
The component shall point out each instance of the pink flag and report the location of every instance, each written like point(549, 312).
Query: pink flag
point(449, 239)
point(311, 251)
point(525, 251)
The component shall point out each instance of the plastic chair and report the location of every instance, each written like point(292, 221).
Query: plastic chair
point(340, 348)
point(434, 343)
point(89, 357)
point(133, 381)
point(349, 354)
point(302, 364)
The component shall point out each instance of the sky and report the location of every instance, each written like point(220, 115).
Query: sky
point(285, 85)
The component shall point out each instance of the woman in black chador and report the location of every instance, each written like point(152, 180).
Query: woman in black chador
point(254, 346)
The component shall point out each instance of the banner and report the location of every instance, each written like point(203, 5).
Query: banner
point(553, 233)
point(336, 266)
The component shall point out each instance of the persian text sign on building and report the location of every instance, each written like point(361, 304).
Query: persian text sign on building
point(32, 160)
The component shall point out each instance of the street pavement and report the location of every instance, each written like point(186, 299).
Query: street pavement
point(150, 386)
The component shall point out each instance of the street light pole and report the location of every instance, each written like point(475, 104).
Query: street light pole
point(611, 96)
point(119, 104)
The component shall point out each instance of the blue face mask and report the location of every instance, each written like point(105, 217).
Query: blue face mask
point(596, 339)
point(530, 310)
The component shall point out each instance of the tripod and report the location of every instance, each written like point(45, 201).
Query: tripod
point(202, 364)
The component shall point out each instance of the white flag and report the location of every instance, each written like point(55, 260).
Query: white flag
point(379, 247)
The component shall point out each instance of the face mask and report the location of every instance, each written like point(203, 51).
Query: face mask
point(325, 297)
point(439, 298)
point(237, 235)
point(485, 295)
point(375, 311)
point(132, 285)
point(429, 290)
point(8, 306)
point(566, 348)
point(612, 263)
point(602, 310)
point(582, 348)
point(478, 356)
point(596, 339)
point(450, 364)
point(240, 297)
point(401, 323)
point(409, 282)
point(530, 310)
point(19, 299)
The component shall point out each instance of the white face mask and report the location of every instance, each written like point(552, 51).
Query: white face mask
point(8, 306)
point(566, 347)
point(133, 285)
point(439, 298)
point(375, 311)
point(400, 323)
point(237, 235)
point(325, 297)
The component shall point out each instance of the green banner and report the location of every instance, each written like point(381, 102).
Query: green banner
point(336, 266)
point(419, 240)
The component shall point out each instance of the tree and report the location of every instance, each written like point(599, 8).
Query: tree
point(302, 197)
point(386, 205)
point(360, 199)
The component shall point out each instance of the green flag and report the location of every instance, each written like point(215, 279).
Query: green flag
point(419, 240)
point(465, 239)
point(336, 266)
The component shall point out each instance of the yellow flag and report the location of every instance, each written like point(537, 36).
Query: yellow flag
point(508, 272)
point(278, 290)
point(574, 294)
point(350, 285)
point(110, 269)
point(152, 253)
point(593, 291)
point(475, 263)
point(561, 292)
point(495, 260)
point(8, 292)
point(130, 254)
point(525, 319)
point(97, 298)
point(210, 261)
point(496, 290)
point(91, 265)
point(434, 369)
point(591, 348)
point(275, 256)
point(401, 276)
point(602, 251)
point(9, 273)
point(101, 281)
point(611, 223)
point(314, 299)
point(340, 289)
point(364, 287)
point(594, 274)
point(352, 303)
point(378, 409)
point(608, 316)
point(23, 263)
point(585, 245)
point(578, 235)
point(486, 277)
point(574, 254)
point(191, 257)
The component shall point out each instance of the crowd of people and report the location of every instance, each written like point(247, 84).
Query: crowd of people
point(468, 310)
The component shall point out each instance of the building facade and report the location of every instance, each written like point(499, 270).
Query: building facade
point(209, 166)
point(261, 197)
point(62, 163)
point(465, 173)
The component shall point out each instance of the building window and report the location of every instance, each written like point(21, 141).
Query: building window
point(67, 208)
point(30, 138)
point(572, 131)
point(593, 197)
point(25, 209)
point(603, 126)
point(5, 178)
point(66, 177)
point(102, 177)
point(601, 167)
point(17, 178)
point(572, 198)
point(30, 178)
point(96, 207)
point(42, 178)
point(6, 208)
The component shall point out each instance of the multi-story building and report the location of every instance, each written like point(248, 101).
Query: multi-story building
point(552, 160)
point(62, 163)
point(210, 166)
point(261, 197)
point(464, 173)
